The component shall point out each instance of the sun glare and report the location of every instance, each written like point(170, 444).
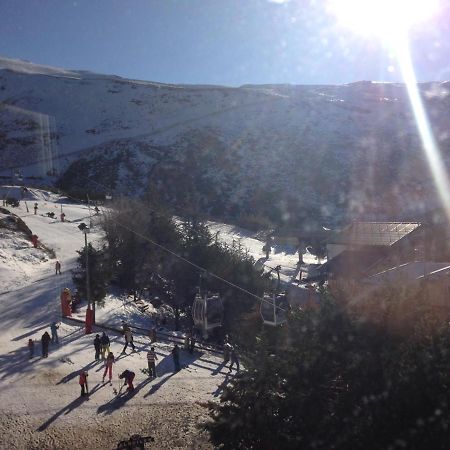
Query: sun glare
point(385, 19)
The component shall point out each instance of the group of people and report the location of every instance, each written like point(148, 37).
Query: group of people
point(46, 339)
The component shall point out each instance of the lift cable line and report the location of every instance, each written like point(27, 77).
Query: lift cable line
point(202, 269)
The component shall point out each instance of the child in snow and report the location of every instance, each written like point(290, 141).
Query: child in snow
point(108, 366)
point(128, 377)
point(128, 340)
point(54, 330)
point(97, 346)
point(151, 360)
point(83, 383)
point(105, 345)
point(31, 347)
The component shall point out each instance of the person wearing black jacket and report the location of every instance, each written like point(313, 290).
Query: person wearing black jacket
point(105, 343)
point(97, 346)
point(45, 340)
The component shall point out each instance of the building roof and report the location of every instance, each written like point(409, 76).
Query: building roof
point(382, 234)
point(414, 270)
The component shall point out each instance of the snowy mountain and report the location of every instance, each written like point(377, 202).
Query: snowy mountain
point(280, 151)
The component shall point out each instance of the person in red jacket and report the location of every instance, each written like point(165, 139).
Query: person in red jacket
point(128, 376)
point(83, 383)
point(108, 366)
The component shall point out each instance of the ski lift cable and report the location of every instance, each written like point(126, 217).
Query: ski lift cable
point(146, 238)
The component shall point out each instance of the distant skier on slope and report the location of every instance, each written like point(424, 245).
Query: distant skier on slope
point(57, 268)
point(108, 366)
point(35, 208)
point(128, 377)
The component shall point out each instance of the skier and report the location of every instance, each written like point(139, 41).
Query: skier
point(97, 346)
point(97, 211)
point(83, 383)
point(45, 340)
point(128, 340)
point(35, 208)
point(151, 360)
point(104, 341)
point(62, 217)
point(31, 347)
point(233, 359)
point(54, 329)
point(57, 268)
point(176, 358)
point(108, 366)
point(128, 377)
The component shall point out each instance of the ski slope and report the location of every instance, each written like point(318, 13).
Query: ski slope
point(39, 398)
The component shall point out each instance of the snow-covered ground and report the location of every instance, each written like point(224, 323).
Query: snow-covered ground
point(39, 398)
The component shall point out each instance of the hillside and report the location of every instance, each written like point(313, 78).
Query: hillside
point(280, 151)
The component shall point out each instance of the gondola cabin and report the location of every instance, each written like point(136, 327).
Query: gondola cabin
point(207, 312)
point(274, 309)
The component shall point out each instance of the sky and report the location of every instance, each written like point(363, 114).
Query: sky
point(225, 42)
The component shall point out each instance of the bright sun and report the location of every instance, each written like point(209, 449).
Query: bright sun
point(386, 19)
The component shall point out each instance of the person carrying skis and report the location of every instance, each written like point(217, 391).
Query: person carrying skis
point(54, 329)
point(128, 377)
point(83, 383)
point(31, 348)
point(128, 340)
point(97, 346)
point(108, 366)
point(233, 359)
point(176, 358)
point(151, 360)
point(105, 343)
point(45, 340)
point(57, 268)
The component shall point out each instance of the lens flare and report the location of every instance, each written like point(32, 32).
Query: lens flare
point(382, 18)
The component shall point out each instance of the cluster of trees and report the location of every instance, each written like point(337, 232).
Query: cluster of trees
point(148, 253)
point(332, 381)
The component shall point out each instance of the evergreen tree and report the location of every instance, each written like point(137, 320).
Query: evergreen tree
point(334, 382)
point(99, 273)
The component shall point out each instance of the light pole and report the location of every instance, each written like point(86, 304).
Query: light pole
point(85, 229)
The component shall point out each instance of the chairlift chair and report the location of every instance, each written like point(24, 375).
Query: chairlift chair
point(274, 309)
point(207, 312)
